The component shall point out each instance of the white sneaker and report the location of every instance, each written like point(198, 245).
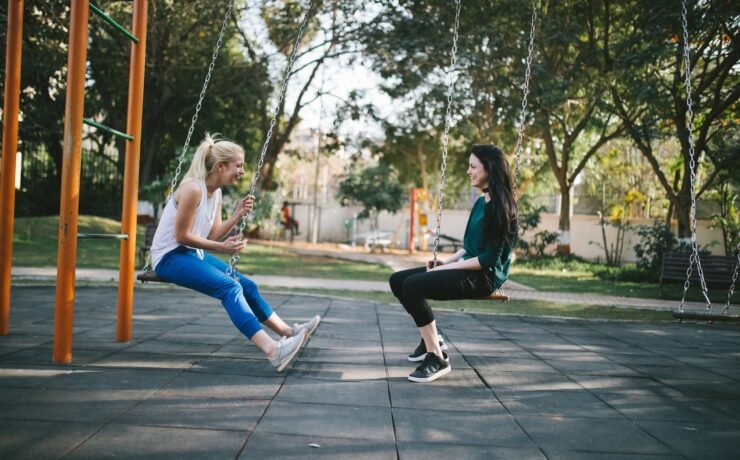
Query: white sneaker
point(309, 326)
point(287, 349)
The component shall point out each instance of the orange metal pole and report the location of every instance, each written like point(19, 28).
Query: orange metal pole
point(70, 195)
point(131, 174)
point(10, 145)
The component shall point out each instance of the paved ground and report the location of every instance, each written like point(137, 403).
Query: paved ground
point(188, 386)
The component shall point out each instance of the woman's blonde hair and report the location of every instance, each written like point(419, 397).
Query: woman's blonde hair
point(211, 152)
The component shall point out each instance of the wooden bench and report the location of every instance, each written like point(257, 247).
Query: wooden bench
point(718, 270)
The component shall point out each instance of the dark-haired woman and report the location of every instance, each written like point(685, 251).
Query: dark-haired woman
point(475, 271)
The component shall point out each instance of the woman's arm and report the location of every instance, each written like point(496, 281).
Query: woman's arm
point(467, 264)
point(188, 199)
point(221, 229)
point(452, 259)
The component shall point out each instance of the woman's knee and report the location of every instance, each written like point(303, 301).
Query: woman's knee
point(247, 284)
point(228, 287)
point(412, 286)
point(396, 281)
point(393, 281)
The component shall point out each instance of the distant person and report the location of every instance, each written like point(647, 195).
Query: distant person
point(287, 220)
point(475, 271)
point(191, 225)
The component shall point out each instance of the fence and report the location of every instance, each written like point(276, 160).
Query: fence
point(101, 182)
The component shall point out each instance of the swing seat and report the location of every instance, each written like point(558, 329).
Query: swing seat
point(498, 296)
point(150, 276)
point(703, 316)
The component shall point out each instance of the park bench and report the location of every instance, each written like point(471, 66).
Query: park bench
point(446, 242)
point(718, 270)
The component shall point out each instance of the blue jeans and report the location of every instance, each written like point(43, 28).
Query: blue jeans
point(240, 297)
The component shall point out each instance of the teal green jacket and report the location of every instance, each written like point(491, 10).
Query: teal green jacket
point(493, 254)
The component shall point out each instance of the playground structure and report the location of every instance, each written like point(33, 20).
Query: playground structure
point(72, 150)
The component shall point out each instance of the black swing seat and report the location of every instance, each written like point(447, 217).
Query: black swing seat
point(704, 316)
point(150, 276)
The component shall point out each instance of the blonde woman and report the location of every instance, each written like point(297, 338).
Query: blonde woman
point(191, 225)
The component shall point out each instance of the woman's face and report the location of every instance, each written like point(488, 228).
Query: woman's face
point(231, 172)
point(477, 173)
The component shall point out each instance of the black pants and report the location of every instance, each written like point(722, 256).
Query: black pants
point(412, 287)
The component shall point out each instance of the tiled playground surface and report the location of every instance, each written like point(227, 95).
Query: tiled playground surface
point(189, 386)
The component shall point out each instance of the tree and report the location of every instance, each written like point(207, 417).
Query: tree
point(567, 109)
point(180, 41)
point(376, 187)
point(649, 96)
point(339, 26)
point(568, 88)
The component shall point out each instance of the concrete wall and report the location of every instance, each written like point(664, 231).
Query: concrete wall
point(584, 229)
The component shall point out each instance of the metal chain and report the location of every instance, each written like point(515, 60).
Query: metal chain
point(198, 106)
point(448, 119)
point(231, 270)
point(181, 160)
point(734, 279)
point(525, 93)
point(692, 167)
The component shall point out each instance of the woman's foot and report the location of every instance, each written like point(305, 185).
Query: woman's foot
point(421, 351)
point(287, 348)
point(432, 368)
point(308, 326)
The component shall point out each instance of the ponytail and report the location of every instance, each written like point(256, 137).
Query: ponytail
point(211, 151)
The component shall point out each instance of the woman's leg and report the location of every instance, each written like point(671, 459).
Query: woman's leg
point(396, 280)
point(185, 268)
point(256, 302)
point(262, 310)
point(431, 339)
point(439, 285)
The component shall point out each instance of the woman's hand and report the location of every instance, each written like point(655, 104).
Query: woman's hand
point(245, 206)
point(431, 266)
point(232, 245)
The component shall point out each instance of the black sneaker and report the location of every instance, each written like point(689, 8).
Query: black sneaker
point(431, 369)
point(421, 350)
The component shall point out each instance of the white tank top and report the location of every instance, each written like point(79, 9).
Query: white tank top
point(164, 238)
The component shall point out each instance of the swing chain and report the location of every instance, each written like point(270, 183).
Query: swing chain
point(734, 279)
point(692, 168)
point(448, 119)
point(181, 160)
point(231, 270)
point(198, 106)
point(525, 91)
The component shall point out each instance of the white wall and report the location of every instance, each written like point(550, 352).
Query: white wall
point(584, 229)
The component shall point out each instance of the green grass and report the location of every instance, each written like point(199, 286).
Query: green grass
point(575, 275)
point(35, 242)
point(512, 307)
point(35, 245)
point(265, 260)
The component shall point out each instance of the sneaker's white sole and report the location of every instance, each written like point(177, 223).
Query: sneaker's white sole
point(310, 331)
point(416, 359)
point(291, 356)
point(432, 377)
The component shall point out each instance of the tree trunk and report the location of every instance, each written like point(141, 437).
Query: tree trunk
point(683, 214)
point(563, 247)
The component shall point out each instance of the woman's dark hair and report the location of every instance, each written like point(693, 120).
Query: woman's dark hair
point(501, 211)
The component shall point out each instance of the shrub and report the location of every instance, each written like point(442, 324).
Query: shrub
point(655, 241)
